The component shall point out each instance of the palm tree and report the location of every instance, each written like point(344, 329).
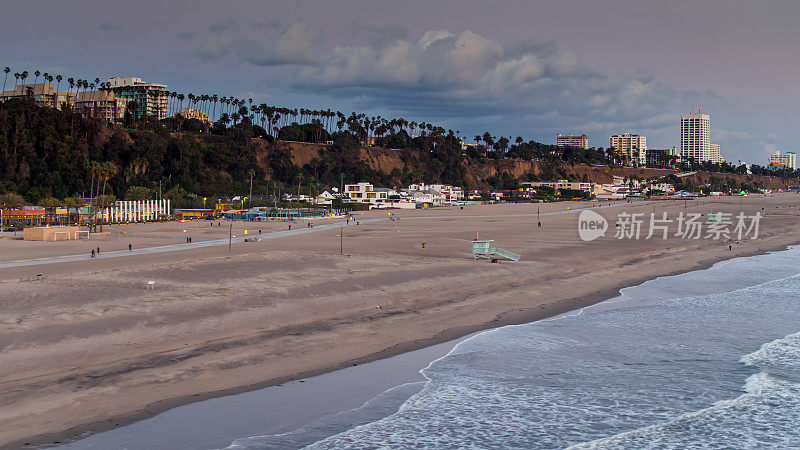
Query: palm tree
point(49, 204)
point(73, 203)
point(37, 73)
point(138, 193)
point(108, 172)
point(16, 79)
point(103, 202)
point(11, 200)
point(5, 71)
point(23, 75)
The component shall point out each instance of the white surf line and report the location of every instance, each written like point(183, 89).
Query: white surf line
point(176, 247)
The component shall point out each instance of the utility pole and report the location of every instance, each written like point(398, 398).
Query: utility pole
point(230, 237)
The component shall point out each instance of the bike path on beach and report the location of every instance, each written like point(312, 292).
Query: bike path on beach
point(175, 247)
point(272, 235)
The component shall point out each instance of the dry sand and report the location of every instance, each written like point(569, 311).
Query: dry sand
point(88, 347)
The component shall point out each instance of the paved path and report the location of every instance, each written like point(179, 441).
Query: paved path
point(175, 247)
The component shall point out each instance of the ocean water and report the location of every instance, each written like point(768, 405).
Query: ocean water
point(708, 359)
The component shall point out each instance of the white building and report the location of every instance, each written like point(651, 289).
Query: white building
point(136, 211)
point(663, 187)
point(788, 160)
point(151, 98)
point(633, 146)
point(695, 137)
point(714, 154)
point(366, 193)
point(451, 193)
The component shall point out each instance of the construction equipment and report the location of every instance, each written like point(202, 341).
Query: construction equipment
point(484, 250)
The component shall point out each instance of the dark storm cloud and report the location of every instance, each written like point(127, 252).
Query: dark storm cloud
point(627, 73)
point(468, 75)
point(109, 26)
point(260, 44)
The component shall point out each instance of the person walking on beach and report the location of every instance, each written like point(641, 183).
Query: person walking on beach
point(130, 247)
point(98, 250)
point(92, 253)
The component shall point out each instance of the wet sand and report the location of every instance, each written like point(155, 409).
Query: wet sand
point(89, 347)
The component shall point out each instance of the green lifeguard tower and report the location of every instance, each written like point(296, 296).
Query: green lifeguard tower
point(484, 250)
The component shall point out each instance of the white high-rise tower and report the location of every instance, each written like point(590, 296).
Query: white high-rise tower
point(695, 137)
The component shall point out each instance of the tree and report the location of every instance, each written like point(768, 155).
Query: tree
point(138, 193)
point(5, 71)
point(73, 203)
point(49, 204)
point(103, 202)
point(109, 170)
point(11, 200)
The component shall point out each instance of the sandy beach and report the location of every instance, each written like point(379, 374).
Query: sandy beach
point(89, 347)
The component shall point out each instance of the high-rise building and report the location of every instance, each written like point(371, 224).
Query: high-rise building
point(714, 155)
point(151, 98)
point(695, 137)
point(568, 140)
point(44, 94)
point(786, 160)
point(633, 146)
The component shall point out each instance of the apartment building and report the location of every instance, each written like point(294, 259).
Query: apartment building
point(44, 94)
point(568, 140)
point(714, 154)
point(366, 193)
point(151, 98)
point(101, 105)
point(695, 137)
point(786, 160)
point(633, 146)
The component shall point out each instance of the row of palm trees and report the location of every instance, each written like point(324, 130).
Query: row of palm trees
point(230, 109)
point(98, 200)
point(13, 200)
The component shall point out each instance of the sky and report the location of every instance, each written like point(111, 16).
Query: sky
point(511, 67)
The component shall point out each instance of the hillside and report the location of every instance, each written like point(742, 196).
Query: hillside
point(46, 152)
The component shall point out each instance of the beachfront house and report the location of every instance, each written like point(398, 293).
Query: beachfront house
point(366, 193)
point(562, 184)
